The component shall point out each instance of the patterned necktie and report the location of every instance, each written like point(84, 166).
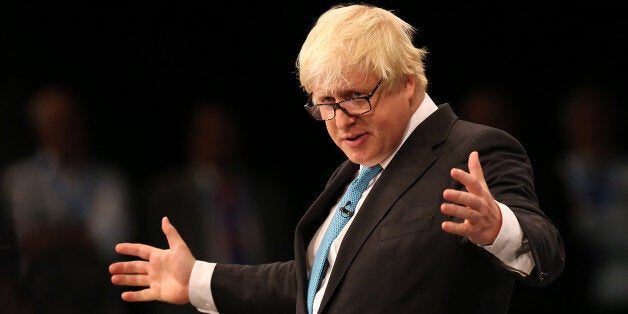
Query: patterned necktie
point(342, 215)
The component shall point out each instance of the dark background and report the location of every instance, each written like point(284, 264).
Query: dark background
point(141, 64)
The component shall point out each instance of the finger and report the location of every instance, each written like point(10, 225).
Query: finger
point(457, 211)
point(470, 182)
point(131, 280)
point(477, 184)
point(173, 237)
point(133, 267)
point(475, 167)
point(138, 296)
point(135, 249)
point(463, 198)
point(473, 180)
point(460, 229)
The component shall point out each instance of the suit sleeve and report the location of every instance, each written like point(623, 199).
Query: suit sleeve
point(508, 173)
point(267, 288)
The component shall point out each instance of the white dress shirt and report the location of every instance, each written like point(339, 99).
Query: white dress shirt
point(506, 246)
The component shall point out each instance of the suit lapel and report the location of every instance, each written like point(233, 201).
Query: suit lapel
point(411, 161)
point(319, 210)
point(313, 219)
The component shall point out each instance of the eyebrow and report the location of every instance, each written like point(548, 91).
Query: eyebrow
point(344, 92)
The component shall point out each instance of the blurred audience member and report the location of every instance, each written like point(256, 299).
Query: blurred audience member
point(9, 301)
point(489, 105)
point(68, 211)
point(594, 171)
point(227, 211)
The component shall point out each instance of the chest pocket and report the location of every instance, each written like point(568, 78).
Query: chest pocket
point(406, 228)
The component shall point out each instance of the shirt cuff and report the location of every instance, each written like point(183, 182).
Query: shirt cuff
point(510, 247)
point(200, 287)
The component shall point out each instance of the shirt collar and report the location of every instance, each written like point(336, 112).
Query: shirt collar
point(426, 108)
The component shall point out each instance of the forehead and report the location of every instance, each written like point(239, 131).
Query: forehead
point(349, 83)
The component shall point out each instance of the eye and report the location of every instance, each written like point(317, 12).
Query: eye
point(323, 100)
point(357, 94)
point(328, 100)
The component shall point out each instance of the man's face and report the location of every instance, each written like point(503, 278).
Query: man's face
point(370, 138)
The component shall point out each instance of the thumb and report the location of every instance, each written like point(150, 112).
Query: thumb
point(475, 168)
point(173, 237)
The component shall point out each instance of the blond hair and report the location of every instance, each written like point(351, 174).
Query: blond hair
point(360, 39)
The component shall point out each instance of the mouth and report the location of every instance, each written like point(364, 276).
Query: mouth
point(355, 140)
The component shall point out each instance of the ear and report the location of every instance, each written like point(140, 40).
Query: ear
point(409, 88)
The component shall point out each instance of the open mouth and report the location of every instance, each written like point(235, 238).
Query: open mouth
point(354, 138)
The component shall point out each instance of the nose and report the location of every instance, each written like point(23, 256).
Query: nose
point(343, 119)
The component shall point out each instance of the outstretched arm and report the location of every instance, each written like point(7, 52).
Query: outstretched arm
point(164, 273)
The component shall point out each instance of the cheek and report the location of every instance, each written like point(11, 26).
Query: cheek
point(331, 129)
point(391, 130)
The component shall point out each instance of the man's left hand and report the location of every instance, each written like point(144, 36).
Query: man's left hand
point(476, 206)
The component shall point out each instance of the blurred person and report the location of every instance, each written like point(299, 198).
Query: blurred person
point(227, 211)
point(68, 210)
point(491, 106)
point(428, 214)
point(594, 172)
point(8, 265)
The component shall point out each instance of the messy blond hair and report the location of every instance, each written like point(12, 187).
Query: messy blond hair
point(364, 39)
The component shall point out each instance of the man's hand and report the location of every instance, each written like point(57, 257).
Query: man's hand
point(482, 217)
point(164, 273)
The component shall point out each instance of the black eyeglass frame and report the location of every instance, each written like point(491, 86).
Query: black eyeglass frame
point(310, 106)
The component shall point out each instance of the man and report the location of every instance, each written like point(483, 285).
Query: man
point(67, 208)
point(435, 231)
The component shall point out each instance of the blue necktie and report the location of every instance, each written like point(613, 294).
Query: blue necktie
point(345, 210)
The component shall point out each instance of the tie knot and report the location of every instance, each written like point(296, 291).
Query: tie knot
point(368, 173)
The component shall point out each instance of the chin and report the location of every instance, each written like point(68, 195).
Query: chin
point(358, 159)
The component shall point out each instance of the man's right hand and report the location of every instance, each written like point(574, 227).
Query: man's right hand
point(164, 273)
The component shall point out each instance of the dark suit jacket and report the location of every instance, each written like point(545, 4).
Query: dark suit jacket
point(395, 258)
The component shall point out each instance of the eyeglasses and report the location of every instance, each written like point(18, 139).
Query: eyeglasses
point(352, 107)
